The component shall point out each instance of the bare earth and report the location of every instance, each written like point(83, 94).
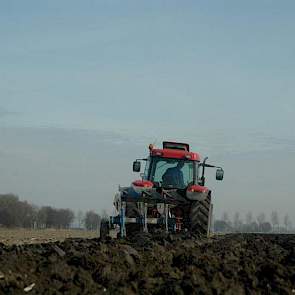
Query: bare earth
point(30, 236)
point(234, 264)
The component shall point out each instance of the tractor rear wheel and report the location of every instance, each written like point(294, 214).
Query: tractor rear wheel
point(200, 216)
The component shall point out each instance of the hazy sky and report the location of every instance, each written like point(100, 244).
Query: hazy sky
point(85, 86)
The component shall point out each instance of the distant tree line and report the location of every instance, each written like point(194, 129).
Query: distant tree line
point(90, 220)
point(250, 223)
point(17, 213)
point(48, 217)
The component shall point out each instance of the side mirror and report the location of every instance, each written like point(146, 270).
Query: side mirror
point(219, 174)
point(136, 166)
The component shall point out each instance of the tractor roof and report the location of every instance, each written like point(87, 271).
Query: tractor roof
point(174, 150)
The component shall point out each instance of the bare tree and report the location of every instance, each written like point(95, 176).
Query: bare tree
point(80, 218)
point(92, 220)
point(49, 212)
point(287, 222)
point(64, 218)
point(9, 205)
point(225, 217)
point(237, 221)
point(265, 227)
point(260, 219)
point(26, 214)
point(42, 218)
point(274, 217)
point(6, 219)
point(254, 227)
point(249, 217)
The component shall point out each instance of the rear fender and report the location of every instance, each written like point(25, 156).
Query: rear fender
point(196, 196)
point(197, 193)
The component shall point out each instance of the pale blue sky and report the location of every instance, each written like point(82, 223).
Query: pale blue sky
point(217, 74)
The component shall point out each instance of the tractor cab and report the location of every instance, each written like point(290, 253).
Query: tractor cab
point(170, 172)
point(173, 167)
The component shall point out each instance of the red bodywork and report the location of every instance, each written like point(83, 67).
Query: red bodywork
point(197, 189)
point(143, 183)
point(175, 154)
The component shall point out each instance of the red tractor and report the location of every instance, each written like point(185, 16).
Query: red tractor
point(171, 194)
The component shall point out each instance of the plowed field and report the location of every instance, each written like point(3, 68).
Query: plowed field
point(230, 264)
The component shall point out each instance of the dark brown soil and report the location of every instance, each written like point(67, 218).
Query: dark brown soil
point(231, 264)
